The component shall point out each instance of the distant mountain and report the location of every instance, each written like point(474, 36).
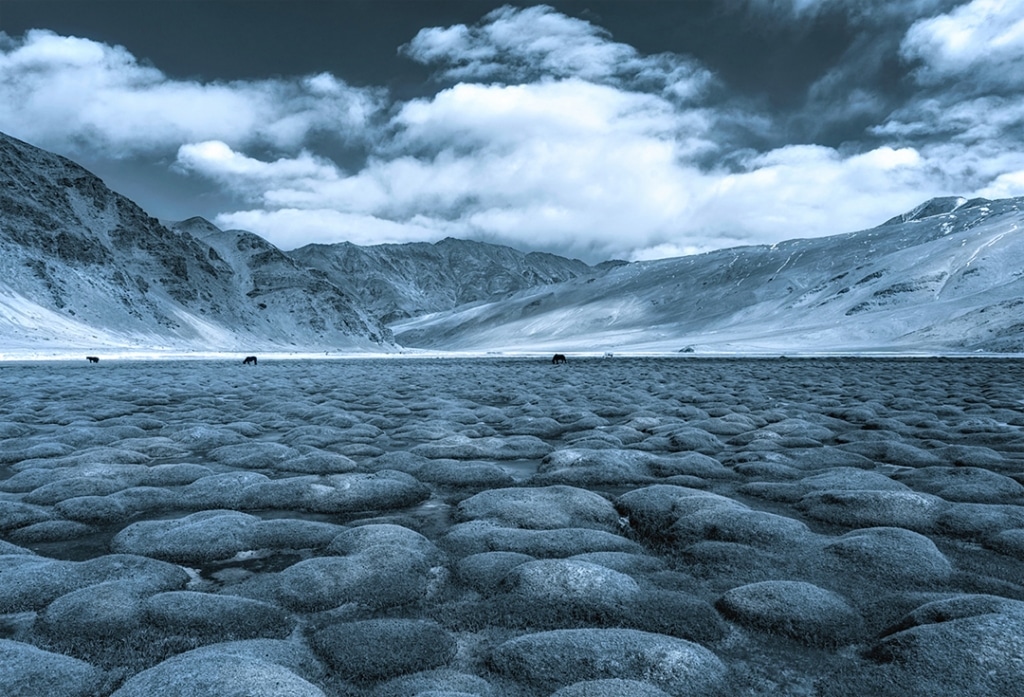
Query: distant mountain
point(298, 300)
point(399, 281)
point(82, 266)
point(945, 277)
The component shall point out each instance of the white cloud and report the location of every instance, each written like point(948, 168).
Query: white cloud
point(1006, 185)
point(582, 163)
point(288, 228)
point(513, 42)
point(810, 191)
point(497, 116)
point(981, 42)
point(562, 164)
point(967, 115)
point(665, 250)
point(77, 95)
point(512, 45)
point(619, 197)
point(216, 160)
point(556, 138)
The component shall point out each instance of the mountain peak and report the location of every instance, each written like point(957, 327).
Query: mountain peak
point(941, 205)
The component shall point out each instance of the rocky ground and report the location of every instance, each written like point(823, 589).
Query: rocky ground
point(626, 526)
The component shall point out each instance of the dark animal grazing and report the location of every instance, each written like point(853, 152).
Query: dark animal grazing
point(558, 358)
point(92, 359)
point(249, 359)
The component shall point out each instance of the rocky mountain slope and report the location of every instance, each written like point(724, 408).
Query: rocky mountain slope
point(399, 281)
point(296, 299)
point(82, 266)
point(945, 277)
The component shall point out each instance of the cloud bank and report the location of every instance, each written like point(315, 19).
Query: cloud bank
point(85, 96)
point(544, 132)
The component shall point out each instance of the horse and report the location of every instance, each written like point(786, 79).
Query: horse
point(558, 358)
point(93, 359)
point(249, 359)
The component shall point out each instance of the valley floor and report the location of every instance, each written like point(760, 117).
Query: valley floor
point(505, 526)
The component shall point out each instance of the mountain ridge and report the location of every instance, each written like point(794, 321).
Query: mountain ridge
point(399, 281)
point(944, 279)
point(99, 271)
point(82, 267)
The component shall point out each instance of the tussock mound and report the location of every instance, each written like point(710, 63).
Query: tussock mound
point(563, 657)
point(210, 535)
point(892, 556)
point(542, 508)
point(381, 649)
point(209, 615)
point(795, 609)
point(31, 671)
point(490, 527)
point(210, 674)
point(483, 536)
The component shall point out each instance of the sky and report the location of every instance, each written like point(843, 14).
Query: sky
point(595, 129)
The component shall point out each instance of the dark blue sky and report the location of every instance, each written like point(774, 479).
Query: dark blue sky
point(598, 128)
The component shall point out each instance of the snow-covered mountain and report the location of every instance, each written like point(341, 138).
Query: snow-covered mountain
point(945, 277)
point(82, 266)
point(399, 281)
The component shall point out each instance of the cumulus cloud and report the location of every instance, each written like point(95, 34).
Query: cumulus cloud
point(981, 42)
point(544, 142)
point(289, 228)
point(647, 206)
point(966, 115)
point(513, 45)
point(804, 190)
point(568, 164)
point(548, 135)
point(216, 160)
point(78, 95)
point(1005, 185)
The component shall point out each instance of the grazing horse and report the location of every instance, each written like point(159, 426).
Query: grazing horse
point(558, 358)
point(93, 359)
point(249, 359)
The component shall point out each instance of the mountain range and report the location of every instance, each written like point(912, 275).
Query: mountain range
point(83, 268)
point(947, 277)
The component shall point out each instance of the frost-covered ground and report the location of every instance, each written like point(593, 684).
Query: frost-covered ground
point(633, 527)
